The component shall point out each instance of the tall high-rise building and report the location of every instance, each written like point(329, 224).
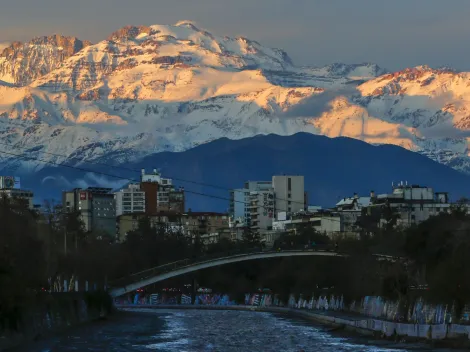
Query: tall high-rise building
point(290, 193)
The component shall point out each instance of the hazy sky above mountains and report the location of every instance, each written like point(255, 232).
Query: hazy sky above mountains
point(394, 34)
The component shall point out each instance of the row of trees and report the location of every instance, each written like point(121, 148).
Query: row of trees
point(37, 251)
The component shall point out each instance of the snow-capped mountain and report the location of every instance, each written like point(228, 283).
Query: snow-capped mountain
point(169, 88)
point(21, 63)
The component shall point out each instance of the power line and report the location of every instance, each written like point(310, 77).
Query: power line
point(135, 170)
point(123, 178)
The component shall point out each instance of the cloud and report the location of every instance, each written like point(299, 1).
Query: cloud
point(89, 180)
point(318, 104)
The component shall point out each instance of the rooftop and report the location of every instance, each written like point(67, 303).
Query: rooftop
point(362, 201)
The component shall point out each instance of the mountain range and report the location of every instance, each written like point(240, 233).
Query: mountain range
point(170, 88)
point(333, 167)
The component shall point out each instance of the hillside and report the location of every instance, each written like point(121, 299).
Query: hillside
point(333, 168)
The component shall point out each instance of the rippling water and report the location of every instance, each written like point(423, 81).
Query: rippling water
point(201, 331)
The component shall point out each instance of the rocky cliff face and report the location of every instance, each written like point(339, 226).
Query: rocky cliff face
point(21, 63)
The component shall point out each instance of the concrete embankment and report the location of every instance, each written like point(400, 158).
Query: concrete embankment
point(350, 322)
point(48, 314)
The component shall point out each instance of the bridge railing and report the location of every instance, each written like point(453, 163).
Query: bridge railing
point(162, 269)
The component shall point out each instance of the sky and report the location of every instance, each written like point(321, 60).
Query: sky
point(394, 34)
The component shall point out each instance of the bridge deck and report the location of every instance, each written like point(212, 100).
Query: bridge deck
point(160, 273)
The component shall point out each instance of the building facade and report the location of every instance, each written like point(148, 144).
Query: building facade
point(261, 210)
point(168, 222)
point(240, 200)
point(413, 203)
point(130, 200)
point(350, 209)
point(324, 222)
point(290, 193)
point(21, 194)
point(206, 225)
point(96, 206)
point(160, 194)
point(258, 203)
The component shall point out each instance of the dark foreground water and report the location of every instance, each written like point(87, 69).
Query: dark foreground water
point(202, 331)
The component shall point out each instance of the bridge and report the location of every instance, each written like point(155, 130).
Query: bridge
point(167, 271)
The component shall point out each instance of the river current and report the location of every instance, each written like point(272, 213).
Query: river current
point(203, 331)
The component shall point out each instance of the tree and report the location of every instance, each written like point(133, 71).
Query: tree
point(22, 260)
point(250, 238)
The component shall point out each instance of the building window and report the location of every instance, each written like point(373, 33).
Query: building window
point(289, 184)
point(289, 202)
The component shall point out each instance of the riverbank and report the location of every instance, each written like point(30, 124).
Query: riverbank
point(49, 314)
point(402, 335)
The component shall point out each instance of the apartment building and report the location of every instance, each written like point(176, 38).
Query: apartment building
point(10, 187)
point(21, 194)
point(96, 206)
point(130, 200)
point(240, 199)
point(168, 222)
point(160, 194)
point(350, 209)
point(257, 204)
point(412, 203)
point(205, 222)
point(261, 210)
point(290, 193)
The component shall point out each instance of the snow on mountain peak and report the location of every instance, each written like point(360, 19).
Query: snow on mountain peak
point(170, 87)
point(21, 63)
point(3, 45)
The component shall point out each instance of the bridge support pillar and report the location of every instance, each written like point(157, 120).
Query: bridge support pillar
point(193, 290)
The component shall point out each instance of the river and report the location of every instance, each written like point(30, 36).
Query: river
point(202, 331)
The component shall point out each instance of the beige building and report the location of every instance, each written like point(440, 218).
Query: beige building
point(169, 222)
point(290, 193)
point(209, 226)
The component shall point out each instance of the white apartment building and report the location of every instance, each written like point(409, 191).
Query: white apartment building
point(130, 200)
point(259, 202)
point(414, 203)
point(261, 210)
point(323, 222)
point(240, 200)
